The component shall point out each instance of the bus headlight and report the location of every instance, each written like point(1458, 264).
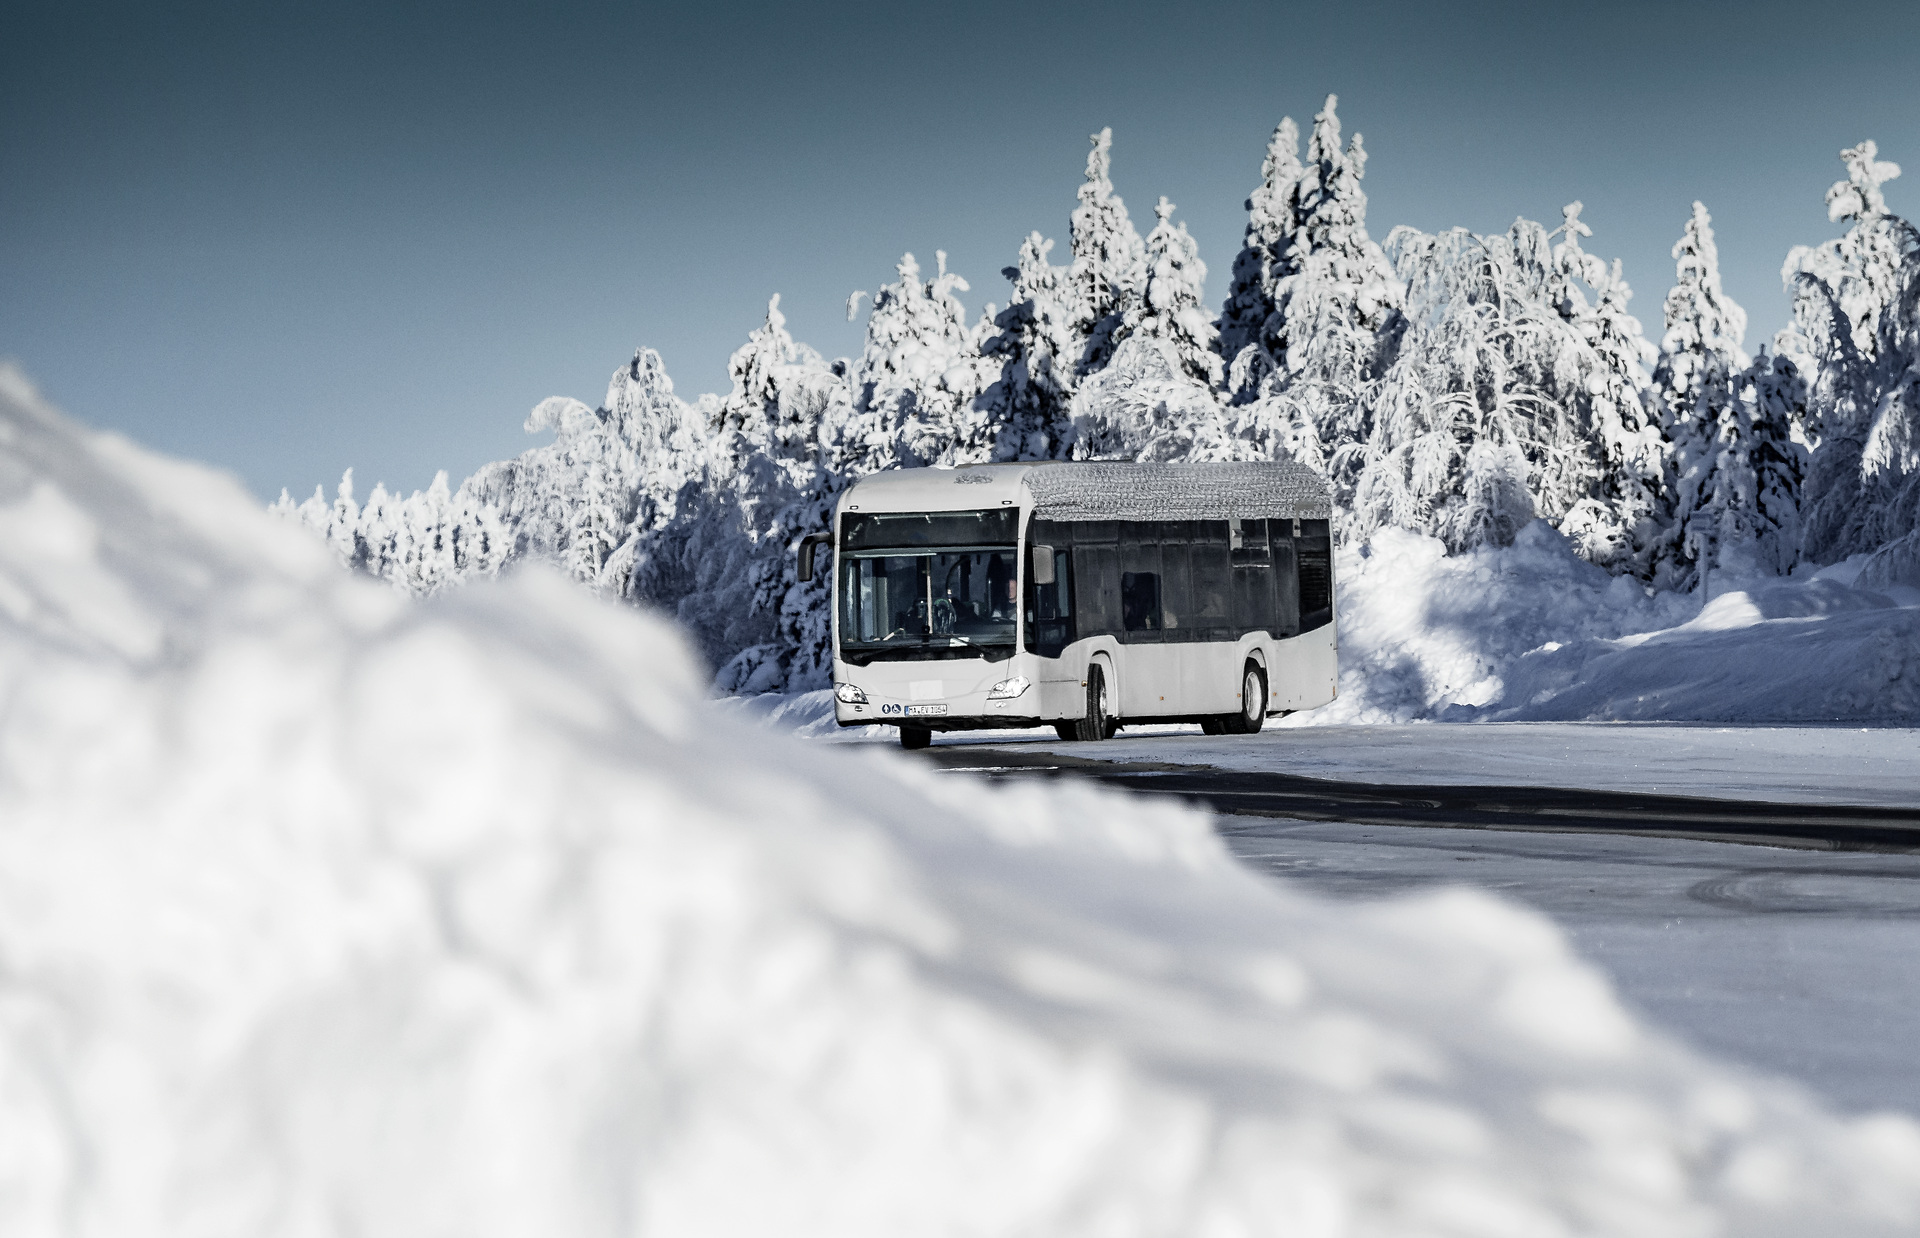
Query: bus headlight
point(1007, 689)
point(847, 694)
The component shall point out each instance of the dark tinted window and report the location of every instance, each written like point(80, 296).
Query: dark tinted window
point(994, 527)
point(1050, 607)
point(1248, 541)
point(1140, 601)
point(1096, 590)
point(1140, 587)
point(1212, 606)
point(1315, 553)
point(1176, 585)
point(1286, 579)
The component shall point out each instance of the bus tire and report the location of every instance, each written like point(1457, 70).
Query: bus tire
point(915, 737)
point(1253, 703)
point(1067, 730)
point(1212, 726)
point(1098, 724)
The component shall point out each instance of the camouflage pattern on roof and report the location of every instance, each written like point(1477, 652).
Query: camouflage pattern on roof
point(1100, 490)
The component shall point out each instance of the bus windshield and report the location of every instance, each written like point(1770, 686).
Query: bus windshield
point(946, 599)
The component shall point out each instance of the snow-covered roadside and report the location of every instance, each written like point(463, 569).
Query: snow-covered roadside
point(1530, 632)
point(326, 912)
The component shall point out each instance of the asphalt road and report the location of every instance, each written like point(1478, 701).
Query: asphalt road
point(1784, 937)
point(1534, 809)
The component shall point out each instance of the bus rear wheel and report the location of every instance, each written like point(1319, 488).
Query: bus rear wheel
point(914, 737)
point(1098, 724)
point(1252, 714)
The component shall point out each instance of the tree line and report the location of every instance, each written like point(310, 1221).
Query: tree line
point(1450, 383)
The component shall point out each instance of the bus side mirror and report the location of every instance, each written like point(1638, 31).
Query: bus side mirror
point(807, 544)
point(1043, 565)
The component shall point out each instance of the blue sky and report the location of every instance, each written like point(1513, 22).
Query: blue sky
point(291, 238)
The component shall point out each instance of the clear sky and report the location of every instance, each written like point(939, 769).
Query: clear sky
point(292, 237)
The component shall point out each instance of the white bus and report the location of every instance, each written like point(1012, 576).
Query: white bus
point(1081, 596)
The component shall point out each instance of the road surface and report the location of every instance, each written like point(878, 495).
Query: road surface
point(1782, 936)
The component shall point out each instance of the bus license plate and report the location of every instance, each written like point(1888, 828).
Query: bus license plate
point(925, 711)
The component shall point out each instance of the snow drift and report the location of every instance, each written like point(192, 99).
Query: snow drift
point(323, 912)
point(1531, 632)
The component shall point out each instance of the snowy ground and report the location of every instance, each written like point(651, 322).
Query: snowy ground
point(323, 913)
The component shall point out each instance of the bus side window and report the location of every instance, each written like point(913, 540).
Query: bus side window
point(1140, 567)
point(1176, 580)
point(1286, 580)
point(1316, 575)
point(1209, 553)
point(1096, 590)
point(1254, 608)
point(1050, 607)
point(1140, 601)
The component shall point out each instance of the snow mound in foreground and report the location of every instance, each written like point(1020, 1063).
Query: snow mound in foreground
point(1530, 632)
point(323, 912)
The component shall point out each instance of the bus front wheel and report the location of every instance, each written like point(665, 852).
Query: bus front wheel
point(912, 737)
point(1098, 724)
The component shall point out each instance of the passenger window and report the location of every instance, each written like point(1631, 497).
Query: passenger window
point(1140, 601)
point(1050, 625)
point(1315, 553)
point(1141, 617)
point(1176, 588)
point(1248, 541)
point(1211, 610)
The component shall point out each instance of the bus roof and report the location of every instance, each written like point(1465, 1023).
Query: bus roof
point(1104, 490)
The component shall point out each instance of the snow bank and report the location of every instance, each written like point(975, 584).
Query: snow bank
point(323, 912)
point(1530, 632)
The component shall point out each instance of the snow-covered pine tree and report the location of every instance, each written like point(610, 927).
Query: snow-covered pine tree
point(419, 544)
point(1262, 261)
point(921, 370)
point(1035, 347)
point(1331, 300)
point(603, 495)
point(781, 428)
point(1604, 472)
point(1855, 336)
point(1735, 469)
point(1157, 398)
point(1169, 306)
point(1453, 443)
point(1109, 261)
point(1511, 396)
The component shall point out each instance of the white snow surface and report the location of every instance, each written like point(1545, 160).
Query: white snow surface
point(327, 912)
point(1530, 632)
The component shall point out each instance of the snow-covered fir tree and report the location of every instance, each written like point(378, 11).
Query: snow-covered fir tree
point(791, 441)
point(1169, 305)
point(921, 369)
point(1605, 483)
point(419, 543)
point(1326, 299)
point(1511, 396)
point(1858, 340)
point(1735, 470)
point(600, 496)
point(1109, 261)
point(1260, 265)
point(1035, 347)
